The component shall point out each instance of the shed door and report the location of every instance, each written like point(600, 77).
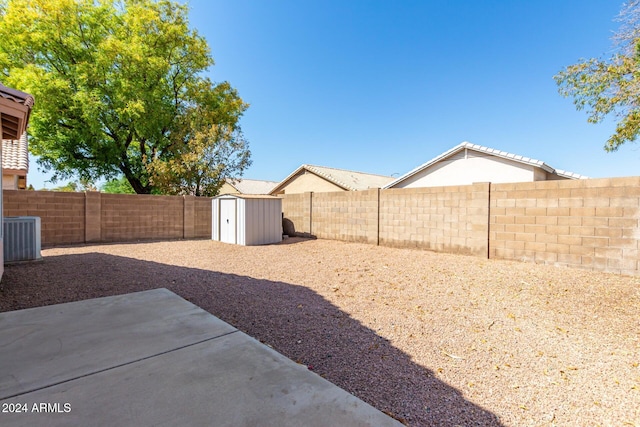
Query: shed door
point(228, 220)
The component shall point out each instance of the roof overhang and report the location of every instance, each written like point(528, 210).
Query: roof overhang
point(232, 183)
point(15, 108)
point(20, 172)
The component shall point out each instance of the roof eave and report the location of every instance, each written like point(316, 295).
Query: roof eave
point(426, 165)
point(15, 104)
point(308, 168)
point(482, 149)
point(329, 178)
point(284, 181)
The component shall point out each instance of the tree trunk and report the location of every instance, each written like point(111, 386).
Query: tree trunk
point(138, 187)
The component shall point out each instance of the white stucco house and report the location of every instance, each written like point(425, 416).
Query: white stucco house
point(467, 163)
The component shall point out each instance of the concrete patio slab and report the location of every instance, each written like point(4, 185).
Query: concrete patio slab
point(65, 341)
point(152, 358)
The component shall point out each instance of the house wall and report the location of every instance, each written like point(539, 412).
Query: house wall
point(477, 167)
point(228, 189)
point(309, 182)
point(1, 209)
point(73, 218)
point(592, 224)
point(9, 182)
point(14, 111)
point(551, 176)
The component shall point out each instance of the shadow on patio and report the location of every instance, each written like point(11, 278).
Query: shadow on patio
point(292, 319)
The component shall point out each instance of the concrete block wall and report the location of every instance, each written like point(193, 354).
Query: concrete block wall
point(141, 217)
point(592, 224)
point(73, 218)
point(297, 211)
point(450, 219)
point(444, 219)
point(62, 215)
point(202, 220)
point(346, 215)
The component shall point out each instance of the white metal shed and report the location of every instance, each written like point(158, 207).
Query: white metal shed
point(246, 219)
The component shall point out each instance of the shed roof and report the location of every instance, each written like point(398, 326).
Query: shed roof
point(15, 154)
point(492, 151)
point(246, 196)
point(252, 186)
point(345, 179)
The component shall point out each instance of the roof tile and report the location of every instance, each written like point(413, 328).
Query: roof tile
point(252, 186)
point(15, 153)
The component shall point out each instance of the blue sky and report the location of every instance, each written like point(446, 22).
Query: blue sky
point(384, 86)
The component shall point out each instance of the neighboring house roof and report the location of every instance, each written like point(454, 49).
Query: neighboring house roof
point(16, 108)
point(247, 196)
point(345, 179)
point(251, 186)
point(492, 151)
point(15, 154)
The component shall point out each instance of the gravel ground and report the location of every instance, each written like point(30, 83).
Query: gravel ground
point(431, 339)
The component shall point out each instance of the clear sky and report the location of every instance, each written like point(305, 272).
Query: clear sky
point(382, 86)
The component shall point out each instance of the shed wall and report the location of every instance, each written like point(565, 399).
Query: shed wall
point(215, 219)
point(241, 222)
point(263, 221)
point(258, 221)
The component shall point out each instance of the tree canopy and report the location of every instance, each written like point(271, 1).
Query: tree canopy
point(73, 186)
point(118, 84)
point(610, 86)
point(118, 186)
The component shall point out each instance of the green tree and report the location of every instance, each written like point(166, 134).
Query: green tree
point(610, 86)
point(213, 154)
point(69, 187)
point(73, 186)
point(118, 186)
point(113, 80)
